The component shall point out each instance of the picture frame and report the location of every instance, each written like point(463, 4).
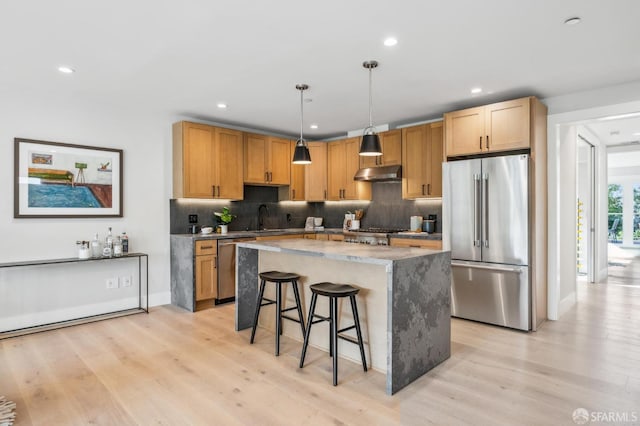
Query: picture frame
point(61, 180)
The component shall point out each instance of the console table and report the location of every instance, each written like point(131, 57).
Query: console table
point(85, 317)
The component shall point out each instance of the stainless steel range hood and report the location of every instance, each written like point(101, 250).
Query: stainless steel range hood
point(379, 174)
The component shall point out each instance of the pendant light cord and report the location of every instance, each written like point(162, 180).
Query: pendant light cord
point(301, 116)
point(370, 100)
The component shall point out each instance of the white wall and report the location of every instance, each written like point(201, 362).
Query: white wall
point(146, 141)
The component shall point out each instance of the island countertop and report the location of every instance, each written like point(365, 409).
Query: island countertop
point(405, 298)
point(380, 255)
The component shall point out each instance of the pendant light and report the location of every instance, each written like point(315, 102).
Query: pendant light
point(301, 153)
point(370, 145)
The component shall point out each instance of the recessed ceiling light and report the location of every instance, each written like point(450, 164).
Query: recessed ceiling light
point(66, 70)
point(221, 105)
point(476, 90)
point(390, 41)
point(313, 126)
point(572, 21)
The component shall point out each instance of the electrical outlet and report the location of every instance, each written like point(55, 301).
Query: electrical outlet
point(125, 281)
point(193, 218)
point(112, 283)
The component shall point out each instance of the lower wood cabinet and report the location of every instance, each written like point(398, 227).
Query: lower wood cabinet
point(417, 243)
point(206, 263)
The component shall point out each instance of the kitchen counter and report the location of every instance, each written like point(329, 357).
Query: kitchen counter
point(404, 302)
point(289, 231)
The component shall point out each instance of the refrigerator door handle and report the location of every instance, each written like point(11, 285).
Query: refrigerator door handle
point(489, 268)
point(476, 211)
point(485, 209)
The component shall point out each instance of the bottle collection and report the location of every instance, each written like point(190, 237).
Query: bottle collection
point(111, 246)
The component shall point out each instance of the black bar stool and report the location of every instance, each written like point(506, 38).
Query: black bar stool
point(333, 292)
point(278, 278)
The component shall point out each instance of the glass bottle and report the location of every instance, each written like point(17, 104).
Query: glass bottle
point(117, 247)
point(96, 247)
point(107, 251)
point(125, 243)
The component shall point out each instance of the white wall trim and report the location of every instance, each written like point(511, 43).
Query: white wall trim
point(567, 303)
point(159, 299)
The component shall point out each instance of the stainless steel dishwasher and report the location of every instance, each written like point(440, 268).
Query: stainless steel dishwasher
point(227, 269)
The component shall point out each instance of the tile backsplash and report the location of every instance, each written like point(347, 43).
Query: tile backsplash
point(387, 209)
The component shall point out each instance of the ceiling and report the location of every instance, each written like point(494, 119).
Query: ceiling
point(180, 58)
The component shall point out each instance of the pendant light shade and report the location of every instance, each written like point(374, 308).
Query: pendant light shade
point(370, 145)
point(301, 153)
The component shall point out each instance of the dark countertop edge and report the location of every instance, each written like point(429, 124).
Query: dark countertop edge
point(289, 231)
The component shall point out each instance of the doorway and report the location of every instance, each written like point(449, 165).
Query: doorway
point(585, 209)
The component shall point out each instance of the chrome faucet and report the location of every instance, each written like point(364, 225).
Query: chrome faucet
point(262, 211)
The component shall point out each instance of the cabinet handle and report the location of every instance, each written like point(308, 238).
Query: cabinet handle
point(480, 142)
point(293, 193)
point(215, 263)
point(269, 176)
point(205, 247)
point(218, 190)
point(487, 141)
point(429, 188)
point(213, 190)
point(266, 176)
point(423, 189)
point(325, 194)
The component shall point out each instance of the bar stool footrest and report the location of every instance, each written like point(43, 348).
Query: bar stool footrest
point(347, 328)
point(291, 318)
point(349, 339)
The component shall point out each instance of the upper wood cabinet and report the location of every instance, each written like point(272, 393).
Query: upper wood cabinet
point(266, 160)
point(201, 155)
point(422, 156)
point(391, 143)
point(296, 188)
point(503, 126)
point(315, 178)
point(343, 163)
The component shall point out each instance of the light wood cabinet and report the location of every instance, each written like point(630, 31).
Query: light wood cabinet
point(503, 126)
point(343, 163)
point(336, 237)
point(206, 282)
point(391, 143)
point(315, 178)
point(414, 242)
point(267, 160)
point(201, 155)
point(422, 156)
point(296, 188)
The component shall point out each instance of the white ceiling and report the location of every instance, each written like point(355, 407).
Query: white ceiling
point(618, 132)
point(180, 58)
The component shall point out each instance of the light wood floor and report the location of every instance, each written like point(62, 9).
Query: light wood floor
point(172, 367)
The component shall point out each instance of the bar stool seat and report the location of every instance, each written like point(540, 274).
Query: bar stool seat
point(278, 278)
point(334, 291)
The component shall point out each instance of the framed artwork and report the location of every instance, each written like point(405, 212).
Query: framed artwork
point(59, 180)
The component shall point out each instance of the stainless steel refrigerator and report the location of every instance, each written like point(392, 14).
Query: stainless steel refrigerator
point(486, 227)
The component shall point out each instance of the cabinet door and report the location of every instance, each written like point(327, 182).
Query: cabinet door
point(464, 132)
point(206, 277)
point(415, 163)
point(354, 190)
point(507, 125)
point(315, 179)
point(337, 163)
point(198, 160)
point(296, 188)
point(229, 164)
point(255, 161)
point(434, 160)
point(279, 164)
point(412, 242)
point(391, 147)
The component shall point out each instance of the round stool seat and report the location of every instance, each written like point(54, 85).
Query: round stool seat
point(334, 290)
point(277, 276)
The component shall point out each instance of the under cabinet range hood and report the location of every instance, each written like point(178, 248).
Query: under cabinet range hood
point(379, 174)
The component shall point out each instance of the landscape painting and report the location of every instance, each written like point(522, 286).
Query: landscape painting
point(55, 179)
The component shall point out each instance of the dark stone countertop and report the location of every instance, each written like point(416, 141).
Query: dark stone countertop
point(288, 231)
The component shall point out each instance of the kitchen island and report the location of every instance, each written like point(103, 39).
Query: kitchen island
point(404, 302)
